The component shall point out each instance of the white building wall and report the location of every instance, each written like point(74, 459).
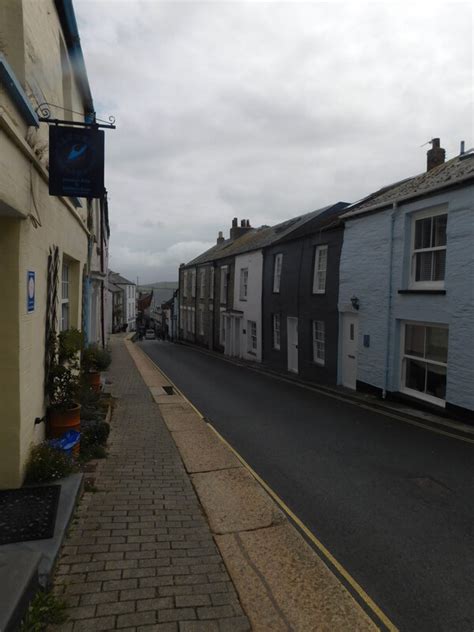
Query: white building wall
point(251, 308)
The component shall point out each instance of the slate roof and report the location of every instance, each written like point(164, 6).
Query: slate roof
point(265, 236)
point(115, 277)
point(453, 172)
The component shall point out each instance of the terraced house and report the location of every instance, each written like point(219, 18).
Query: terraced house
point(53, 250)
point(406, 293)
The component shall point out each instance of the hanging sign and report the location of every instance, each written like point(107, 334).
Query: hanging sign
point(76, 162)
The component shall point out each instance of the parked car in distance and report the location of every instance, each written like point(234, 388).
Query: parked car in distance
point(150, 334)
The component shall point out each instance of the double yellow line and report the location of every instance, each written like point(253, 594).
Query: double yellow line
point(371, 605)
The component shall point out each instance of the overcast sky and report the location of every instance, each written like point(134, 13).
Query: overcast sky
point(264, 111)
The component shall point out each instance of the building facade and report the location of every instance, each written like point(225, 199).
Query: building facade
point(407, 290)
point(300, 298)
point(45, 241)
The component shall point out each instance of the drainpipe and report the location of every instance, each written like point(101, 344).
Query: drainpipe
point(389, 306)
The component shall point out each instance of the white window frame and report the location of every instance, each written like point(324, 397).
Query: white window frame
point(403, 356)
point(202, 282)
point(193, 283)
point(319, 342)
point(252, 339)
point(223, 285)
point(426, 285)
point(320, 271)
point(276, 331)
point(277, 267)
point(65, 288)
point(244, 282)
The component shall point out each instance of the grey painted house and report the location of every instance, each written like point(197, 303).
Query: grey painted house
point(406, 291)
point(300, 295)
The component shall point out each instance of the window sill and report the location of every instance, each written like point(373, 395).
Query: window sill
point(252, 353)
point(422, 291)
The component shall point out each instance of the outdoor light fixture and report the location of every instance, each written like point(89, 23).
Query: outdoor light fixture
point(355, 302)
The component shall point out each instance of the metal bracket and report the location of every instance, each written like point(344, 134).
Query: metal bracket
point(44, 109)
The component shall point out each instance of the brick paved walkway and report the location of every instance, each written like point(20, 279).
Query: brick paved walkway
point(140, 555)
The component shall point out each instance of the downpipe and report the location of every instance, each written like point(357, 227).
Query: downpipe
point(389, 306)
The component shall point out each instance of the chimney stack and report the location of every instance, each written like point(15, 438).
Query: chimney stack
point(435, 155)
point(220, 238)
point(236, 230)
point(462, 150)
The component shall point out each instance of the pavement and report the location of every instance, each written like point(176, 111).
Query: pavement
point(387, 497)
point(180, 537)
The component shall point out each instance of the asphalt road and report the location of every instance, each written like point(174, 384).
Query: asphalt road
point(392, 502)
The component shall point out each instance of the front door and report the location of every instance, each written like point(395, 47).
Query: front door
point(349, 350)
point(236, 349)
point(292, 329)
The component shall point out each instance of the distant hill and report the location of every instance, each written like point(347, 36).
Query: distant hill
point(162, 290)
point(159, 285)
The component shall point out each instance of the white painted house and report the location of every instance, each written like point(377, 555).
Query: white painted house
point(244, 336)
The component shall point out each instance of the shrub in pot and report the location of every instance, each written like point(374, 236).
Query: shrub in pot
point(94, 360)
point(63, 383)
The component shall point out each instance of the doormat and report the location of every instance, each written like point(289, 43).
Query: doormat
point(28, 513)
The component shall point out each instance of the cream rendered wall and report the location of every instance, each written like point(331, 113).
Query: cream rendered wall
point(24, 247)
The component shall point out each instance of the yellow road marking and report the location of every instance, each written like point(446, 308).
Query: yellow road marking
point(350, 580)
point(319, 545)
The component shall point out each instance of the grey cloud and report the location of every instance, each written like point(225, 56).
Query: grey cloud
point(264, 110)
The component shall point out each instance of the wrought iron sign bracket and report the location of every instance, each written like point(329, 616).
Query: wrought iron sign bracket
point(44, 109)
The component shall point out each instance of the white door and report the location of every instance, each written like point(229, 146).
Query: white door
point(236, 337)
point(349, 350)
point(292, 329)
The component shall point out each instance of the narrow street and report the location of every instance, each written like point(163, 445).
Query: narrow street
point(392, 502)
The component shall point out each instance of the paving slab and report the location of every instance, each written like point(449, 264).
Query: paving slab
point(181, 420)
point(202, 451)
point(233, 501)
point(284, 585)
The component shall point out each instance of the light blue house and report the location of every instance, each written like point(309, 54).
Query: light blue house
point(406, 290)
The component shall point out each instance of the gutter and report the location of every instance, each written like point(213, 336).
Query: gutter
point(16, 93)
point(71, 35)
point(389, 306)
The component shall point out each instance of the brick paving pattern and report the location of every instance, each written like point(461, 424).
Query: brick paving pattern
point(139, 555)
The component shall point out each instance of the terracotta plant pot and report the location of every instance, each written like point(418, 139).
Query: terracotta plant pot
point(93, 379)
point(60, 421)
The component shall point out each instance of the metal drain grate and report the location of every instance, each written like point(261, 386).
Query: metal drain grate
point(28, 513)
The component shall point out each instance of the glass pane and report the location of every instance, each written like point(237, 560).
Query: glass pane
point(415, 340)
point(423, 233)
point(423, 266)
point(439, 230)
point(437, 344)
point(439, 265)
point(64, 316)
point(415, 375)
point(436, 381)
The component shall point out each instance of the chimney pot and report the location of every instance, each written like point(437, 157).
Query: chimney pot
point(462, 148)
point(242, 222)
point(436, 155)
point(235, 221)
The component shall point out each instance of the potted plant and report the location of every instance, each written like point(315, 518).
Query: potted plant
point(94, 360)
point(63, 383)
